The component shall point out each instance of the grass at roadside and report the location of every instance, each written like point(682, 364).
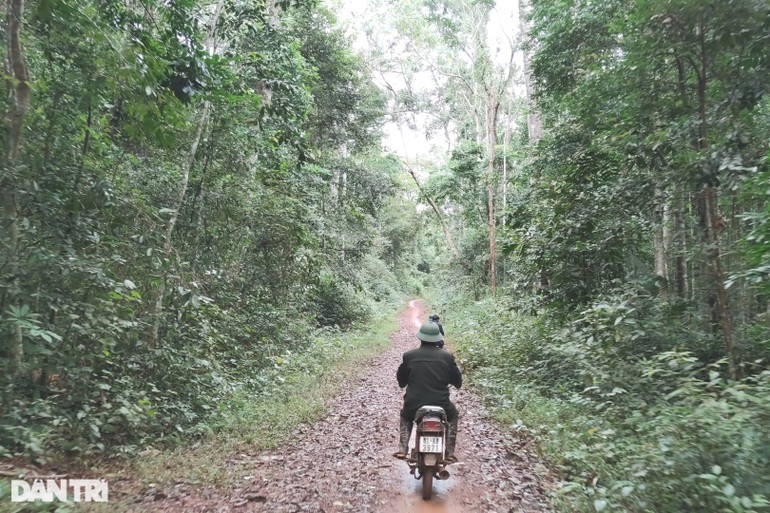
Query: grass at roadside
point(297, 390)
point(302, 385)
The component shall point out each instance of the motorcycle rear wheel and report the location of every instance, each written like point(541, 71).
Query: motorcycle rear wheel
point(427, 483)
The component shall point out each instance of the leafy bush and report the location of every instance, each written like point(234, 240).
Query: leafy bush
point(626, 405)
point(337, 303)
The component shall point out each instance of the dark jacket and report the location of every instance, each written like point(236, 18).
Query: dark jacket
point(427, 372)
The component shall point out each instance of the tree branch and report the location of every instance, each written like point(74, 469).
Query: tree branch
point(447, 235)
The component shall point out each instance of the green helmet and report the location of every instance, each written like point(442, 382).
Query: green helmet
point(429, 333)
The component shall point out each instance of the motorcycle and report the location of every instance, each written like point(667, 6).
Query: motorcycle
point(426, 459)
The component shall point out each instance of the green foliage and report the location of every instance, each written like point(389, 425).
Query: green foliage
point(295, 388)
point(628, 418)
point(337, 303)
point(236, 251)
point(629, 330)
point(757, 242)
point(299, 383)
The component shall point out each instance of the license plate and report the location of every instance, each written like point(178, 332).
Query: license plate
point(431, 444)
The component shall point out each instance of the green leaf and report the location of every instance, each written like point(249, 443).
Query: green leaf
point(600, 504)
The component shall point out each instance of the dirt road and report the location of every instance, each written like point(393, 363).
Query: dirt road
point(343, 463)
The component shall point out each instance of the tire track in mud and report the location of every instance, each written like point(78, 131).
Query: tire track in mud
point(344, 462)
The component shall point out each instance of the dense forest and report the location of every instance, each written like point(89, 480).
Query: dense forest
point(195, 192)
point(190, 191)
point(605, 194)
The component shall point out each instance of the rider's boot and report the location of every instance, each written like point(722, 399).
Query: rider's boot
point(451, 441)
point(405, 431)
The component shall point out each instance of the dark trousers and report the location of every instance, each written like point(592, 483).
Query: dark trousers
point(408, 412)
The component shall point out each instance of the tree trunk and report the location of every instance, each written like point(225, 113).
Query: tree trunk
point(659, 243)
point(211, 42)
point(492, 107)
point(710, 221)
point(17, 88)
point(167, 246)
point(680, 241)
point(505, 175)
point(707, 202)
point(534, 122)
point(447, 235)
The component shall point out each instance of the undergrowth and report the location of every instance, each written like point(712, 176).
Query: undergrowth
point(300, 386)
point(623, 408)
point(296, 389)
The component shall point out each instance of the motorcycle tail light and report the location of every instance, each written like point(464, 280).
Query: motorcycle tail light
point(431, 425)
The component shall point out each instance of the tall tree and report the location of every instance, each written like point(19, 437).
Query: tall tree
point(698, 69)
point(17, 90)
point(451, 41)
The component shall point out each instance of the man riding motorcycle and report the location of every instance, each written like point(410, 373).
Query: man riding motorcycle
point(427, 372)
point(435, 319)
